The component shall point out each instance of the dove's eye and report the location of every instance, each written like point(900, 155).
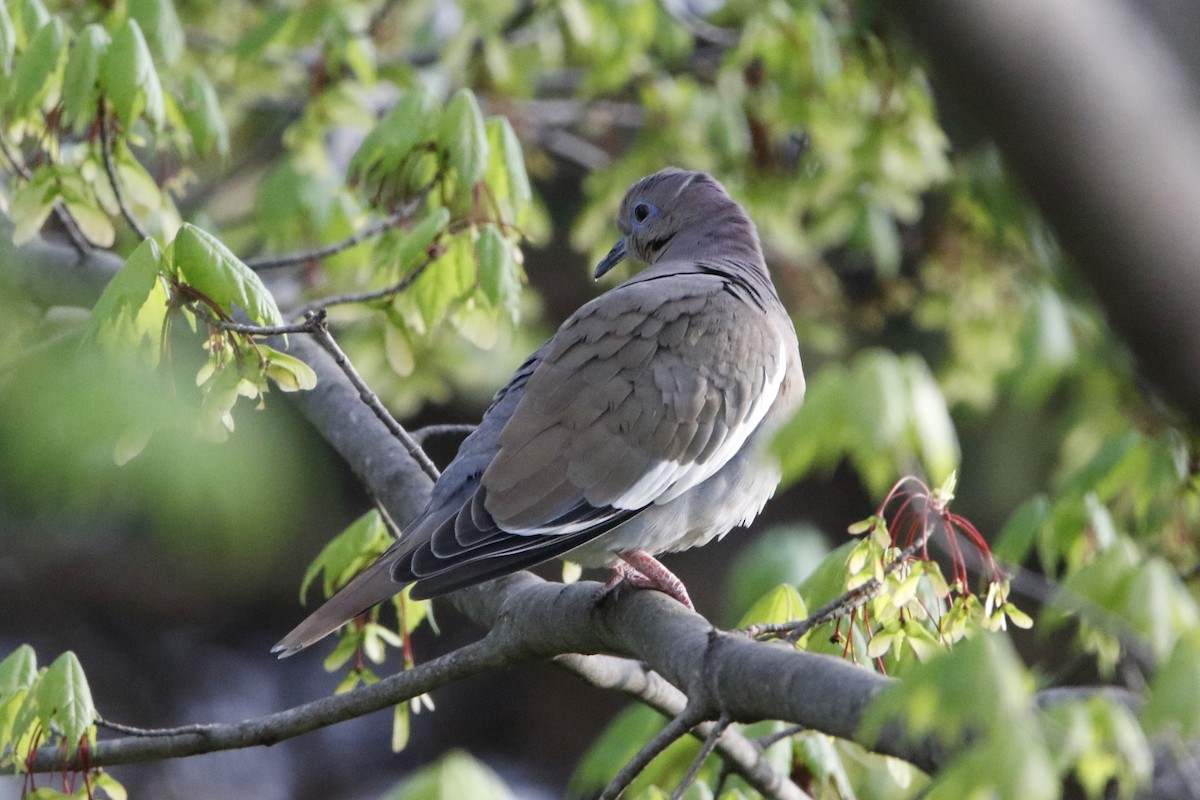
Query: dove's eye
point(642, 212)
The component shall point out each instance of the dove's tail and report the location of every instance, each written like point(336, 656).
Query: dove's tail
point(373, 585)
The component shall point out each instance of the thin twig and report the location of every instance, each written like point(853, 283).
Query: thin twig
point(106, 154)
point(148, 744)
point(791, 730)
point(316, 254)
point(431, 431)
point(706, 748)
point(309, 325)
point(322, 335)
point(389, 522)
point(366, 297)
point(78, 240)
point(838, 606)
point(676, 729)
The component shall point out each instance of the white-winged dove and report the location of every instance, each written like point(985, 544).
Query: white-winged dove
point(638, 429)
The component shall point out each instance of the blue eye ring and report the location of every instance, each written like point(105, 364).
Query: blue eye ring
point(641, 212)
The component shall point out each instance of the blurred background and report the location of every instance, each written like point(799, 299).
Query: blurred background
point(945, 324)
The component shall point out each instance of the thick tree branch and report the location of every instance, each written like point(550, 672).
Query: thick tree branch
point(338, 413)
point(52, 273)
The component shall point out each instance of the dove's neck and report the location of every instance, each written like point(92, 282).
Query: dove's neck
point(727, 234)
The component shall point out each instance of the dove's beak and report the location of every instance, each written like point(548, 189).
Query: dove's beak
point(614, 257)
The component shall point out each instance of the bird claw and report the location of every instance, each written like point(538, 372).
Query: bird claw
point(640, 570)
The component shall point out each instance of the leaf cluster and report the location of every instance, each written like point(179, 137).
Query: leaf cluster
point(49, 706)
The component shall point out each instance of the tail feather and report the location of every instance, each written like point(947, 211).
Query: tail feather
point(371, 586)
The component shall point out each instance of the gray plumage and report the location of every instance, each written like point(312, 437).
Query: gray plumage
point(638, 429)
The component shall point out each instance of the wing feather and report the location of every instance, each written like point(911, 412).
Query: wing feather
point(634, 402)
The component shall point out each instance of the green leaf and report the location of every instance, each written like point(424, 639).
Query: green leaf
point(202, 113)
point(33, 78)
point(221, 390)
point(347, 553)
point(160, 23)
point(498, 273)
point(276, 26)
point(345, 649)
point(359, 54)
point(932, 428)
point(18, 671)
point(31, 203)
point(1020, 533)
point(65, 701)
point(33, 16)
point(401, 727)
point(129, 79)
point(976, 700)
point(81, 81)
point(618, 743)
point(8, 40)
point(816, 435)
point(289, 373)
point(445, 282)
point(781, 604)
point(377, 163)
point(819, 753)
point(105, 783)
point(93, 222)
point(506, 174)
point(207, 265)
point(1099, 740)
point(399, 251)
point(456, 775)
point(463, 142)
point(129, 305)
point(883, 240)
point(1173, 708)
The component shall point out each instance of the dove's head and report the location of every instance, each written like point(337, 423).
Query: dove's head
point(687, 215)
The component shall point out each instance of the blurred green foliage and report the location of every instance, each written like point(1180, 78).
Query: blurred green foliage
point(930, 300)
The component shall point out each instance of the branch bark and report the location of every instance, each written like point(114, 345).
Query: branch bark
point(672, 654)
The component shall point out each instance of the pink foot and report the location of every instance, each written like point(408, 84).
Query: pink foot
point(638, 569)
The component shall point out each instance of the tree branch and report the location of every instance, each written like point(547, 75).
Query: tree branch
point(674, 730)
point(367, 296)
point(52, 273)
point(371, 400)
point(148, 745)
point(747, 679)
point(316, 254)
point(433, 431)
point(706, 748)
point(740, 754)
